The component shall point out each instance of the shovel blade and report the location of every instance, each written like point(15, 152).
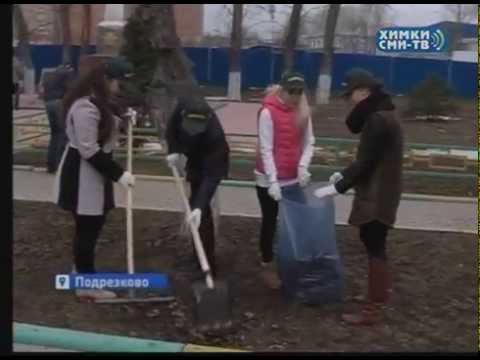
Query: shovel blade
point(213, 307)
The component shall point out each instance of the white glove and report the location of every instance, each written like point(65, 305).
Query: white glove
point(195, 218)
point(303, 176)
point(127, 180)
point(326, 191)
point(132, 115)
point(173, 159)
point(275, 192)
point(336, 177)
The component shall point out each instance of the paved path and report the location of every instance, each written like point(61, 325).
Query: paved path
point(453, 215)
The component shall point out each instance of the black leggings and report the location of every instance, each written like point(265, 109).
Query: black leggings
point(374, 237)
point(87, 230)
point(269, 209)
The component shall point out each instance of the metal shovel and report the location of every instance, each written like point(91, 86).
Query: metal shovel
point(213, 302)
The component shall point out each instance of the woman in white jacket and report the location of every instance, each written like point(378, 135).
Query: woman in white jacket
point(84, 183)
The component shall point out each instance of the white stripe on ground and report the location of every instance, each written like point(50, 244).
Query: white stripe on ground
point(412, 214)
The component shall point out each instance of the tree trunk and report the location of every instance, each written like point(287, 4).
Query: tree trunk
point(235, 75)
point(24, 53)
point(86, 28)
point(23, 36)
point(66, 33)
point(173, 73)
point(325, 77)
point(292, 37)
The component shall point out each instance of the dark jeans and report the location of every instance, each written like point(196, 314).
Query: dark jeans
point(269, 209)
point(374, 237)
point(58, 138)
point(87, 230)
point(206, 230)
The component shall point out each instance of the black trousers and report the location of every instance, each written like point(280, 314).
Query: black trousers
point(87, 231)
point(269, 208)
point(374, 237)
point(206, 230)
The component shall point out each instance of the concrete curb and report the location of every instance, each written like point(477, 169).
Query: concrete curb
point(250, 216)
point(405, 196)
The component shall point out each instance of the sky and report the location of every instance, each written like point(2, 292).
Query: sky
point(404, 15)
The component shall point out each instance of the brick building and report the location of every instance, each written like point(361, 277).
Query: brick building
point(44, 23)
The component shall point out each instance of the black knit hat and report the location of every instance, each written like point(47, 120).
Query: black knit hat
point(359, 78)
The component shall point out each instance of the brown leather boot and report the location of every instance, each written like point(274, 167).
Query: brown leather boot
point(370, 314)
point(269, 276)
point(378, 295)
point(385, 276)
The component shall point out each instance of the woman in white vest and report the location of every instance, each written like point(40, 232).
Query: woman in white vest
point(84, 183)
point(284, 152)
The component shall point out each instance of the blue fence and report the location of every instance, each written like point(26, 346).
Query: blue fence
point(262, 66)
point(48, 56)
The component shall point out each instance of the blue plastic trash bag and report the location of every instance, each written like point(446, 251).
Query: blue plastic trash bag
point(306, 251)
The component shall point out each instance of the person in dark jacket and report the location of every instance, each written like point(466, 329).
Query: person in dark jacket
point(376, 176)
point(84, 182)
point(55, 86)
point(195, 131)
point(18, 75)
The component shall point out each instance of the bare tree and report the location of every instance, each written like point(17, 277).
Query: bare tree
point(23, 36)
point(360, 22)
point(173, 76)
point(235, 75)
point(64, 14)
point(461, 12)
point(86, 28)
point(292, 37)
point(325, 77)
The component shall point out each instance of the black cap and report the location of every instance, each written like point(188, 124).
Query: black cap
point(196, 113)
point(292, 79)
point(359, 78)
point(118, 68)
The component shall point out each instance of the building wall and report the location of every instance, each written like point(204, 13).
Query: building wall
point(189, 21)
point(46, 28)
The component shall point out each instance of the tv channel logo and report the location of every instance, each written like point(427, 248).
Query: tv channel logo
point(411, 39)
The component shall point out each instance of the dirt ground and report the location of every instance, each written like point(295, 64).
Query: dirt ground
point(329, 120)
point(434, 306)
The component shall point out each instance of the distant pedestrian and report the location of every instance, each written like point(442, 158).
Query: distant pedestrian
point(55, 85)
point(18, 77)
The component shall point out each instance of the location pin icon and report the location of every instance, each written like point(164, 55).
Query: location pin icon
point(62, 282)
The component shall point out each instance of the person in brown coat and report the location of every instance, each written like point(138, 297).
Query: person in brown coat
point(376, 176)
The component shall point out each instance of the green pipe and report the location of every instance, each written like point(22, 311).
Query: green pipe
point(87, 342)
